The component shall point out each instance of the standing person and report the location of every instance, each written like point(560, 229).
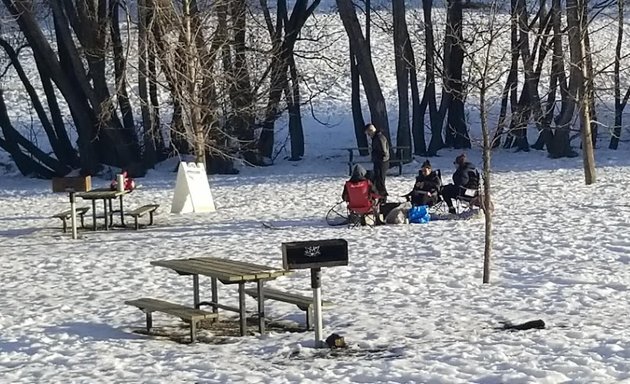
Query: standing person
point(465, 177)
point(380, 158)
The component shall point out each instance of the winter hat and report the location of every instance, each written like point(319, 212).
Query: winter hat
point(426, 164)
point(358, 171)
point(461, 159)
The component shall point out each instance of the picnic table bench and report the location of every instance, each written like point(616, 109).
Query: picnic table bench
point(141, 211)
point(303, 302)
point(66, 215)
point(227, 272)
point(396, 160)
point(193, 315)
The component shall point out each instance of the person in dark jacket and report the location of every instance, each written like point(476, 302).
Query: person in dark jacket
point(380, 158)
point(465, 177)
point(427, 186)
point(358, 176)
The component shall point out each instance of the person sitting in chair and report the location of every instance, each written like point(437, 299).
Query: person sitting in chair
point(426, 188)
point(361, 195)
point(358, 181)
point(465, 177)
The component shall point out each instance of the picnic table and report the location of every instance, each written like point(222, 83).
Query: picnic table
point(227, 272)
point(396, 160)
point(107, 195)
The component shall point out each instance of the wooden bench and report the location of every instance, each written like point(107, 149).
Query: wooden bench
point(141, 211)
point(305, 303)
point(394, 161)
point(66, 215)
point(149, 305)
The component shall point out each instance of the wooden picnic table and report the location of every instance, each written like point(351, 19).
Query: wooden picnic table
point(227, 272)
point(107, 195)
point(394, 161)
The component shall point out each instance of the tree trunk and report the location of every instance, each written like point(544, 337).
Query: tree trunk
point(436, 143)
point(283, 55)
point(57, 143)
point(401, 40)
point(240, 88)
point(149, 154)
point(357, 113)
point(620, 104)
point(511, 83)
point(120, 63)
point(295, 116)
point(561, 146)
point(35, 163)
point(358, 44)
point(532, 101)
point(487, 188)
point(114, 144)
point(585, 93)
point(57, 117)
point(589, 70)
point(456, 116)
point(76, 101)
point(418, 109)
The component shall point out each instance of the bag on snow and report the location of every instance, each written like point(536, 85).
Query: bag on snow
point(419, 214)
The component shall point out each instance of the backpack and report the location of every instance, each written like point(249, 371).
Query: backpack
point(419, 214)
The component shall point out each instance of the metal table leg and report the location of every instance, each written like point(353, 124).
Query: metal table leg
point(196, 291)
point(122, 212)
point(93, 214)
point(261, 306)
point(106, 214)
point(111, 213)
point(215, 294)
point(241, 308)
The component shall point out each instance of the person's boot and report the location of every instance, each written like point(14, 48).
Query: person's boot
point(452, 210)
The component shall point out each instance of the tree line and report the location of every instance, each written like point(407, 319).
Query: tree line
point(136, 82)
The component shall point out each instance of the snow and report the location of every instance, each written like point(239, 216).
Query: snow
point(410, 304)
point(560, 255)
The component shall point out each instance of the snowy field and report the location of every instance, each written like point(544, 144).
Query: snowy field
point(412, 292)
point(410, 304)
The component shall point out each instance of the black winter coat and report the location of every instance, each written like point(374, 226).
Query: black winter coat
point(466, 176)
point(380, 148)
point(429, 183)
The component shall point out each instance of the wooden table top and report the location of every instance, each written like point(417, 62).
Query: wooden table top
point(231, 271)
point(101, 193)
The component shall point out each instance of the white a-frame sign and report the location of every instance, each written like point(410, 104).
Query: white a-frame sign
point(192, 190)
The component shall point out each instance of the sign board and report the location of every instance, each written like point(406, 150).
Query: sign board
point(192, 190)
point(72, 184)
point(314, 254)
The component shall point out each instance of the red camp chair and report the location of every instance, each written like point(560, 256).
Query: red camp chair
point(361, 202)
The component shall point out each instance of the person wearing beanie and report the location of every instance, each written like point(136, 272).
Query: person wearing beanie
point(465, 177)
point(380, 158)
point(427, 186)
point(358, 178)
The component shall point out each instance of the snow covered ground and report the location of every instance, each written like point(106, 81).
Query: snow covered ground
point(561, 254)
point(410, 305)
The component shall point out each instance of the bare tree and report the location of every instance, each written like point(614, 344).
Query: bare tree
point(365, 67)
point(454, 93)
point(485, 55)
point(284, 36)
point(620, 103)
point(429, 98)
point(577, 21)
point(405, 65)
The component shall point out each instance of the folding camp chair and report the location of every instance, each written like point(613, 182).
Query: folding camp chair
point(362, 205)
